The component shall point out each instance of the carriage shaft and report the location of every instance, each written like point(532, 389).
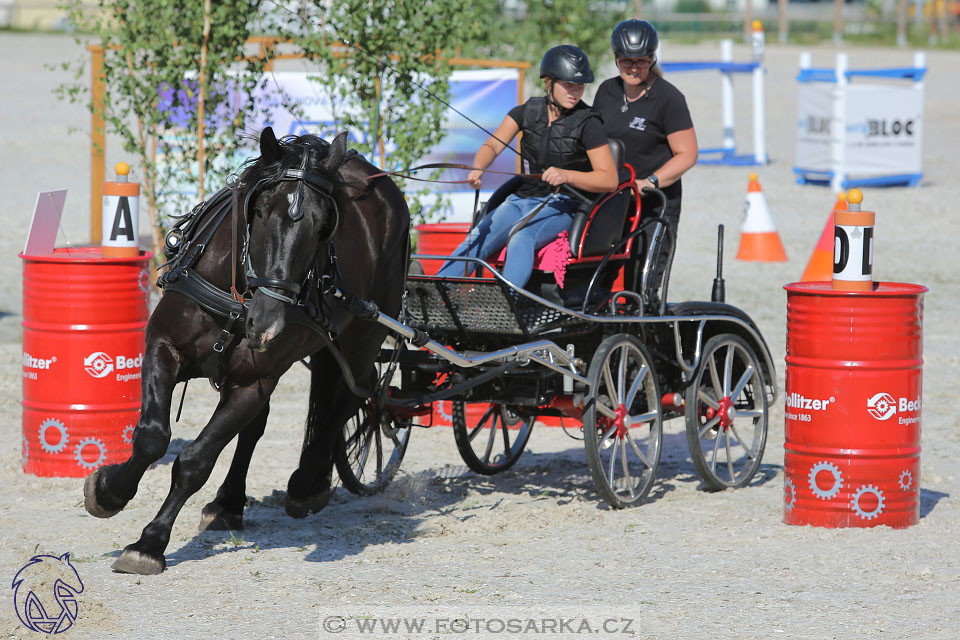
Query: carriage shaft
point(543, 352)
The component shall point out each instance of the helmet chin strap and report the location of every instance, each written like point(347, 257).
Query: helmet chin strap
point(552, 102)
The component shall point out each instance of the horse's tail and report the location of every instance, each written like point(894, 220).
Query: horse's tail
point(317, 408)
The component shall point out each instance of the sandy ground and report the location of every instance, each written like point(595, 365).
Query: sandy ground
point(534, 543)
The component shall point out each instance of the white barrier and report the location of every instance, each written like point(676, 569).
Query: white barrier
point(854, 134)
point(727, 153)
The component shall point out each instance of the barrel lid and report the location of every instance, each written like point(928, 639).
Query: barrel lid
point(880, 289)
point(85, 255)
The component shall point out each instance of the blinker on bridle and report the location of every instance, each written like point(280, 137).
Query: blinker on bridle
point(304, 178)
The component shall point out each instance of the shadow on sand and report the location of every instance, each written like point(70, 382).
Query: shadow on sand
point(415, 505)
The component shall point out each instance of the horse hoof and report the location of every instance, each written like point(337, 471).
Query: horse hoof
point(90, 502)
point(216, 518)
point(144, 564)
point(303, 507)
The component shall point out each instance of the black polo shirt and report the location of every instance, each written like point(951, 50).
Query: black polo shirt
point(644, 126)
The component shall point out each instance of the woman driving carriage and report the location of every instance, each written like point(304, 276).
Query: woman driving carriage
point(563, 141)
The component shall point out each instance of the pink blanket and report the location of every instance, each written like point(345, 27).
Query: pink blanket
point(552, 257)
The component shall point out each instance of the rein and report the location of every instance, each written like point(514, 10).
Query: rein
point(404, 173)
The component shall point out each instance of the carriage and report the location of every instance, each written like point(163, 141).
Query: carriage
point(619, 361)
point(254, 284)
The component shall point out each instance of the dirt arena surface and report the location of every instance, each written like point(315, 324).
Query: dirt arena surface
point(534, 543)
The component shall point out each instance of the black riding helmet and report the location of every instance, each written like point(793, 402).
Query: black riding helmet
point(566, 63)
point(634, 39)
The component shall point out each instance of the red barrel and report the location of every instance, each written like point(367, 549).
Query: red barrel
point(439, 239)
point(84, 321)
point(853, 398)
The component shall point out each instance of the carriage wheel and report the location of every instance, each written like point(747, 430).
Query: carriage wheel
point(497, 440)
point(623, 421)
point(370, 450)
point(727, 413)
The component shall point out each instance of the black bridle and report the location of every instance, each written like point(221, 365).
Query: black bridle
point(304, 179)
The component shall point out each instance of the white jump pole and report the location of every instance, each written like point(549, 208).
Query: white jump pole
point(919, 62)
point(838, 129)
point(726, 92)
point(759, 108)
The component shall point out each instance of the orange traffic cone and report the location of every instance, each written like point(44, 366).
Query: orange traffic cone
point(820, 266)
point(759, 240)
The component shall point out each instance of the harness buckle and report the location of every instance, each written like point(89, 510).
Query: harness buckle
point(226, 332)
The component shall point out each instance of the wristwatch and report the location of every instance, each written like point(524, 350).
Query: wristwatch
point(654, 180)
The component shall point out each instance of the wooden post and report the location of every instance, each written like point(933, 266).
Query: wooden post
point(783, 25)
point(202, 103)
point(98, 143)
point(747, 20)
point(837, 21)
point(901, 23)
point(638, 9)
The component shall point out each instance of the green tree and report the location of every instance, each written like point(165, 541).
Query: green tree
point(391, 60)
point(171, 66)
point(525, 30)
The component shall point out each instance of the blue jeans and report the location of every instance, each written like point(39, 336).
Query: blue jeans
point(490, 235)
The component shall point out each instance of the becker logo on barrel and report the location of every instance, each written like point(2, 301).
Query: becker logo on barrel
point(98, 364)
point(882, 406)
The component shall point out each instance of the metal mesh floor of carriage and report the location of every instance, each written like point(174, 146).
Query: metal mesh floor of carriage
point(479, 305)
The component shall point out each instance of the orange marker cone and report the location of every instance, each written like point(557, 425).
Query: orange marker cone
point(820, 266)
point(759, 240)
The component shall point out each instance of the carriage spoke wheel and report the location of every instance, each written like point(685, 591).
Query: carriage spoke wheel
point(495, 442)
point(370, 450)
point(623, 421)
point(726, 413)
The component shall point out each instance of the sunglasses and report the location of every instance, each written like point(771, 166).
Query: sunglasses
point(639, 63)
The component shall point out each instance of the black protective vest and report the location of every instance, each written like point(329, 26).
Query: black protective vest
point(558, 145)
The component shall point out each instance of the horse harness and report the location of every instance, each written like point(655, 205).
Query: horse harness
point(186, 241)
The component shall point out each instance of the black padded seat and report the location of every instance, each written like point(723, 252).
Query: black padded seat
point(607, 224)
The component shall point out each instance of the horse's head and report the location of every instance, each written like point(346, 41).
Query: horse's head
point(291, 218)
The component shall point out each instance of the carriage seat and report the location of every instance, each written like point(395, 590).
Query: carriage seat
point(599, 220)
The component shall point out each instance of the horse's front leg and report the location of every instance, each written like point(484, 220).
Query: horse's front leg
point(108, 490)
point(225, 512)
point(191, 470)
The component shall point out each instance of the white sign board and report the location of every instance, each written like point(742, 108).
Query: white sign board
point(884, 130)
point(46, 220)
point(815, 125)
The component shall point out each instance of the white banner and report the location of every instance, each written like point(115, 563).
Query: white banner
point(881, 132)
point(815, 123)
point(884, 130)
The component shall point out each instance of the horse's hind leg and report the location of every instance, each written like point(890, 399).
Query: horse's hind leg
point(309, 487)
point(108, 490)
point(225, 512)
point(331, 405)
point(190, 471)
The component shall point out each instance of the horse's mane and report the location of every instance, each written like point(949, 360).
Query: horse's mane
point(256, 170)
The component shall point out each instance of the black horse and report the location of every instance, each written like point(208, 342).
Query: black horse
point(308, 224)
